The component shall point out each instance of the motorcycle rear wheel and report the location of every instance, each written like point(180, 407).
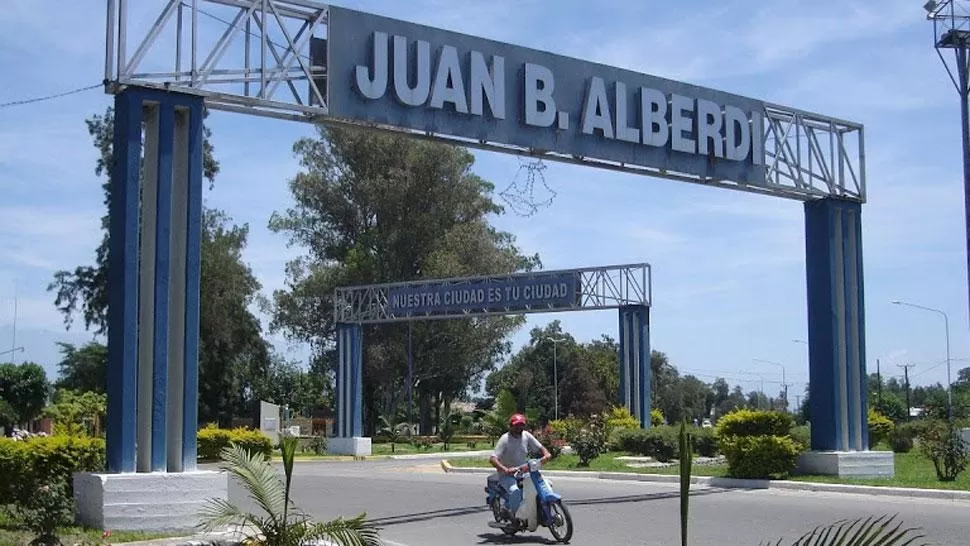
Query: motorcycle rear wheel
point(560, 514)
point(496, 513)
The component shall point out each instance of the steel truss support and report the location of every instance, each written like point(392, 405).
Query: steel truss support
point(608, 287)
point(153, 282)
point(265, 63)
point(259, 64)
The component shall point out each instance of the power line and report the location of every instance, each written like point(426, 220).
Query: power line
point(49, 97)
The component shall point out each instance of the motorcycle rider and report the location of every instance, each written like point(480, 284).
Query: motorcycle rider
point(511, 454)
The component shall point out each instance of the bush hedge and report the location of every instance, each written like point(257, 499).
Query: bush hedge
point(747, 422)
point(758, 444)
point(211, 440)
point(880, 428)
point(41, 460)
point(760, 456)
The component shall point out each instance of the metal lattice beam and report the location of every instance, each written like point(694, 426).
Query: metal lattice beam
point(247, 56)
point(254, 57)
point(607, 287)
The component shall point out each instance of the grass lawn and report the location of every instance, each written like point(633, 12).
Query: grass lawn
point(913, 469)
point(14, 534)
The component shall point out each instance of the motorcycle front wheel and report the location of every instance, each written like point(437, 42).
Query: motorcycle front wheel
point(561, 525)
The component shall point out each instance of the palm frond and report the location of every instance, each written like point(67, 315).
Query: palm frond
point(865, 531)
point(257, 477)
point(346, 532)
point(219, 513)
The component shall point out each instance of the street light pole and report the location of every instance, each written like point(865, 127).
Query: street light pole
point(949, 385)
point(555, 371)
point(951, 30)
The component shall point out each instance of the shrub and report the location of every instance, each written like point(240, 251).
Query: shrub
point(755, 423)
point(46, 509)
point(657, 418)
point(551, 439)
point(590, 441)
point(901, 442)
point(880, 428)
point(620, 418)
point(212, 440)
point(760, 456)
point(942, 443)
point(566, 428)
point(661, 443)
point(43, 460)
point(705, 443)
point(802, 434)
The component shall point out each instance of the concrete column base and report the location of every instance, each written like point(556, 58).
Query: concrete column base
point(356, 446)
point(848, 464)
point(154, 501)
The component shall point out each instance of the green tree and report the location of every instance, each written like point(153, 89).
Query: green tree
point(83, 369)
point(373, 208)
point(75, 412)
point(25, 389)
point(230, 335)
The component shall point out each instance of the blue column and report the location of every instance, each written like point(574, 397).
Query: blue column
point(350, 372)
point(836, 326)
point(634, 361)
point(123, 284)
point(143, 249)
point(193, 278)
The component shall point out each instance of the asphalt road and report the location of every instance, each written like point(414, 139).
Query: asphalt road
point(417, 504)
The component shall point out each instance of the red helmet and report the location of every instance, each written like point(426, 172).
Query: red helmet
point(517, 419)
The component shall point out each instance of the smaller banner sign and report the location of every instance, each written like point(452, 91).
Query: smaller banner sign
point(493, 295)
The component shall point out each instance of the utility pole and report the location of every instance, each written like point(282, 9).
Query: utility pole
point(906, 368)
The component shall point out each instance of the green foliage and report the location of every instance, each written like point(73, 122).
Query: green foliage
point(43, 460)
point(704, 441)
point(551, 439)
point(48, 507)
point(747, 422)
point(590, 441)
point(802, 434)
point(901, 443)
point(656, 417)
point(619, 417)
point(212, 441)
point(760, 456)
point(280, 522)
point(77, 413)
point(880, 428)
point(658, 442)
point(371, 207)
point(567, 428)
point(25, 389)
point(942, 443)
point(865, 531)
point(83, 369)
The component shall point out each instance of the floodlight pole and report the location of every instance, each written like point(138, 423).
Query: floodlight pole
point(951, 29)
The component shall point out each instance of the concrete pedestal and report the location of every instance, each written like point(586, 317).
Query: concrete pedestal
point(357, 446)
point(848, 464)
point(146, 501)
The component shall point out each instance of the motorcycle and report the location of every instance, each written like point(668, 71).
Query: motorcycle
point(540, 505)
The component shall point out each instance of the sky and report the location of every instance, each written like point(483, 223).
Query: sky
point(728, 268)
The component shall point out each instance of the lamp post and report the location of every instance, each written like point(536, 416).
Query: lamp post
point(555, 370)
point(784, 381)
point(951, 30)
point(946, 323)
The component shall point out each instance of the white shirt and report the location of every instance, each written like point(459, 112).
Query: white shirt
point(513, 452)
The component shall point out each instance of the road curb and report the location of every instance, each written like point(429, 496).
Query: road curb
point(734, 483)
point(407, 457)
